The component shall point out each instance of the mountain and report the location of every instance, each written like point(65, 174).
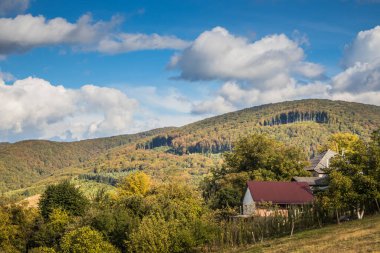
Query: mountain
point(190, 150)
point(25, 162)
point(307, 123)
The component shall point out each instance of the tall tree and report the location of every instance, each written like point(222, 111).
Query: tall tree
point(358, 167)
point(63, 196)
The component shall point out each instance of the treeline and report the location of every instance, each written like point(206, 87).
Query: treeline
point(296, 116)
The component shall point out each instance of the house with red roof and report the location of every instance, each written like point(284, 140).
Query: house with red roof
point(277, 193)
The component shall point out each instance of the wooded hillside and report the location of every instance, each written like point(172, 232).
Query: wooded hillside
point(304, 123)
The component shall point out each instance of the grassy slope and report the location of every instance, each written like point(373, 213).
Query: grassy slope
point(354, 236)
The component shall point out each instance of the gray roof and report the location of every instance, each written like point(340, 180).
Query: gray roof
point(312, 181)
point(320, 162)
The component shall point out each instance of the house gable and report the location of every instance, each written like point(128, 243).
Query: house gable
point(320, 163)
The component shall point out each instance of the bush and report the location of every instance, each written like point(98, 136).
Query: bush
point(86, 240)
point(63, 196)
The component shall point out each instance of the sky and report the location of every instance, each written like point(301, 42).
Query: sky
point(72, 70)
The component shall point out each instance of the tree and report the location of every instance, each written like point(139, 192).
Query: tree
point(344, 143)
point(177, 220)
point(137, 183)
point(353, 180)
point(116, 222)
point(374, 163)
point(152, 236)
point(339, 194)
point(51, 231)
point(9, 233)
point(16, 225)
point(85, 240)
point(63, 196)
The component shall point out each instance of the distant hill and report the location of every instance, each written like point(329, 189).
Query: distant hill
point(25, 162)
point(305, 123)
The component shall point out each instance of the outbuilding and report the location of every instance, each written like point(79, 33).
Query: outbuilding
point(282, 194)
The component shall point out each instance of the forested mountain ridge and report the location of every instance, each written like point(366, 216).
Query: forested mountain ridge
point(304, 123)
point(24, 162)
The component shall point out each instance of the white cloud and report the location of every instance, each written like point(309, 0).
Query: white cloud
point(365, 48)
point(217, 105)
point(233, 96)
point(10, 7)
point(25, 32)
point(278, 72)
point(361, 77)
point(362, 61)
point(124, 42)
point(367, 97)
point(266, 63)
point(163, 99)
point(39, 109)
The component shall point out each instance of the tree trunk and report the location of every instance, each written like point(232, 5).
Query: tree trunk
point(377, 204)
point(360, 212)
point(291, 232)
point(337, 216)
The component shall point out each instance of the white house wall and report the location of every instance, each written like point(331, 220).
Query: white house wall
point(248, 203)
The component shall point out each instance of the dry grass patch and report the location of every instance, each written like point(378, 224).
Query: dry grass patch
point(354, 236)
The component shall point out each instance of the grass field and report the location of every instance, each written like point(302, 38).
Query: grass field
point(354, 236)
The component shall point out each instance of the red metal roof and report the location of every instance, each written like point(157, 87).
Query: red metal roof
point(280, 192)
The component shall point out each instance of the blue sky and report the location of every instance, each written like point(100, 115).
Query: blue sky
point(95, 69)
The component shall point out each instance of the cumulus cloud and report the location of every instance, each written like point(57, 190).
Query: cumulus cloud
point(39, 109)
point(268, 62)
point(365, 48)
point(362, 65)
point(361, 77)
point(25, 32)
point(233, 96)
point(11, 7)
point(267, 70)
point(274, 69)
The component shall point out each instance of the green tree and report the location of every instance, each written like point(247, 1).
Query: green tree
point(16, 226)
point(9, 233)
point(85, 240)
point(116, 222)
point(64, 196)
point(338, 195)
point(51, 230)
point(353, 181)
point(152, 236)
point(374, 163)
